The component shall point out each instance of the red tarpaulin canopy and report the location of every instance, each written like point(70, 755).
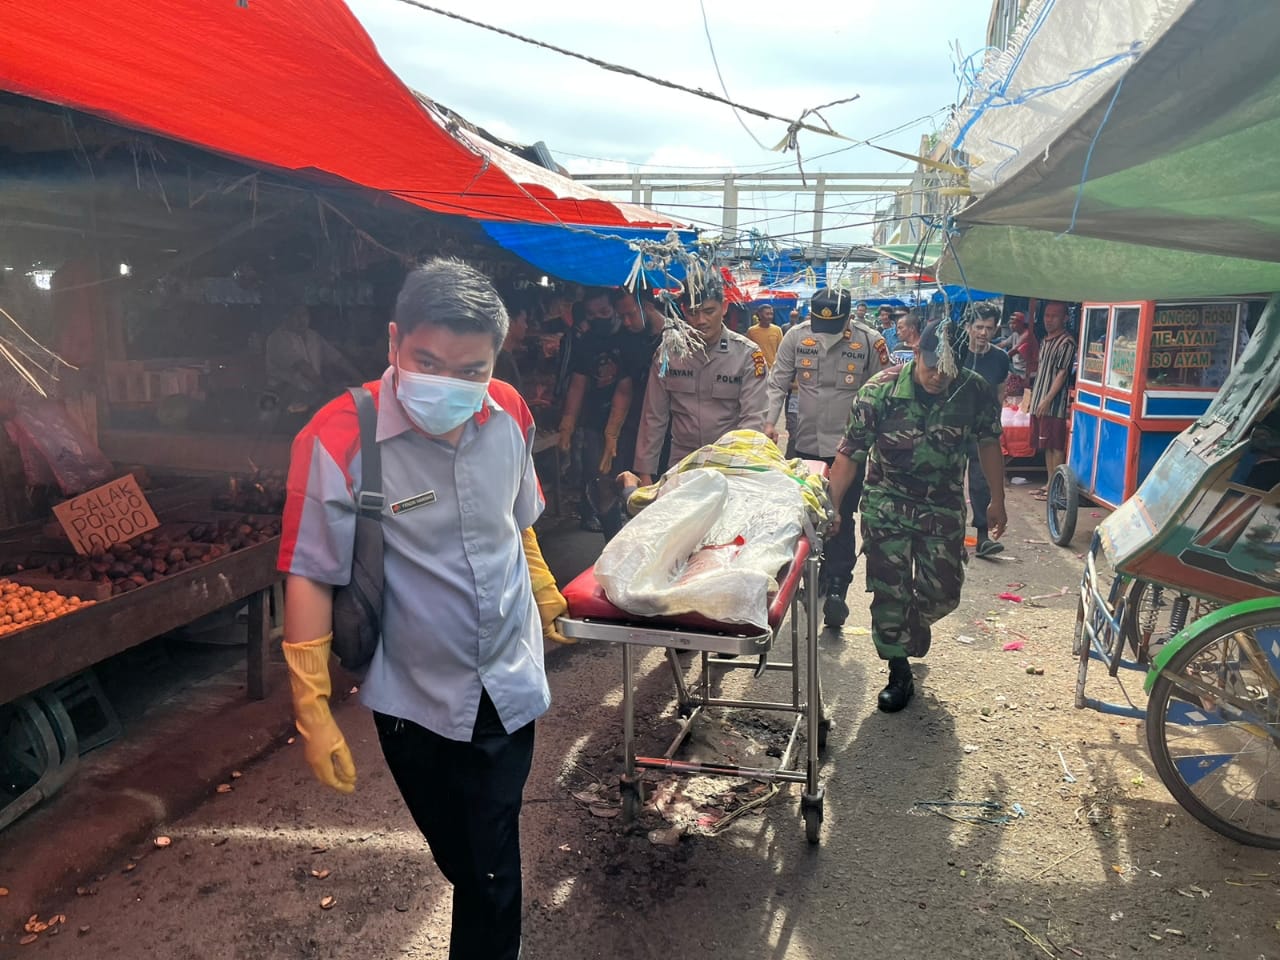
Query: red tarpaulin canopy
point(295, 85)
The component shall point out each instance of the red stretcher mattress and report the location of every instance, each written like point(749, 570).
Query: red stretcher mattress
point(587, 600)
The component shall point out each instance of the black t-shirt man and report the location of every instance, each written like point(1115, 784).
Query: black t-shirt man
point(992, 365)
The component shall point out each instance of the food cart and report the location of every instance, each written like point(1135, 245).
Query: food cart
point(1145, 371)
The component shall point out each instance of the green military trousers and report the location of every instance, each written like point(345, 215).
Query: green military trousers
point(915, 568)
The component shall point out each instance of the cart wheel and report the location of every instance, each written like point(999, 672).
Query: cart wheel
point(812, 824)
point(1062, 505)
point(1210, 727)
point(824, 728)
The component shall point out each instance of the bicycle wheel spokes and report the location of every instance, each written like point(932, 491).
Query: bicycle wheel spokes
point(1214, 731)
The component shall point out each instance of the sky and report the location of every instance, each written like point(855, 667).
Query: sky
point(898, 56)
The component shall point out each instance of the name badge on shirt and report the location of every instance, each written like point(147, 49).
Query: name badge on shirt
point(410, 503)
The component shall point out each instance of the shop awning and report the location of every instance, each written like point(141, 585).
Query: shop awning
point(295, 86)
point(1125, 150)
point(911, 254)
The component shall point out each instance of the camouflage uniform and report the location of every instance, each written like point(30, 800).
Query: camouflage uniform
point(913, 510)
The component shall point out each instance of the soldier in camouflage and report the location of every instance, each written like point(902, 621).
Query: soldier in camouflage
point(828, 357)
point(911, 426)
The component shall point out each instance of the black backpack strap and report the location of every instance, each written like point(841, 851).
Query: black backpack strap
point(371, 499)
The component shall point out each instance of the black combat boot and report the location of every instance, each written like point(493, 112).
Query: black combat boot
point(835, 611)
point(900, 688)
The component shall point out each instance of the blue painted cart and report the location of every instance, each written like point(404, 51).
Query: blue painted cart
point(1145, 371)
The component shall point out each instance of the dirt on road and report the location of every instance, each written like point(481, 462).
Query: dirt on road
point(988, 820)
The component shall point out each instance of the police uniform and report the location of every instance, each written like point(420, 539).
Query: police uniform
point(828, 369)
point(700, 397)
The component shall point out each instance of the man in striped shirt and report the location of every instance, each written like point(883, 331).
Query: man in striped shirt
point(1049, 393)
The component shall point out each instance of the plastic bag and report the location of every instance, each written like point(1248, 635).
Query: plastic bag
point(710, 544)
point(1015, 435)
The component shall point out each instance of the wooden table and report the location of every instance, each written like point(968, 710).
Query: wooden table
point(43, 654)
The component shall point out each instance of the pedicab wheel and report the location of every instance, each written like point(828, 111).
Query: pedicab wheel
point(1061, 505)
point(1155, 615)
point(1211, 719)
point(812, 824)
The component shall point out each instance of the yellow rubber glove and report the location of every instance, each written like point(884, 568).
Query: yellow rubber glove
point(551, 602)
point(326, 749)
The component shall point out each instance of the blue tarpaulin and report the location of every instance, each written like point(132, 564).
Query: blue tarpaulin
point(595, 256)
point(958, 294)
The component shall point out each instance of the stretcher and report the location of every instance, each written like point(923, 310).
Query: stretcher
point(592, 616)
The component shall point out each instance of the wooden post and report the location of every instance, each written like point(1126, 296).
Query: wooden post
point(258, 653)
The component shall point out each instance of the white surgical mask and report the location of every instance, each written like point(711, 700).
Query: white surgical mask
point(439, 404)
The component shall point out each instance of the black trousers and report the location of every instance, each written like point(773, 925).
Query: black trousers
point(840, 553)
point(979, 492)
point(465, 798)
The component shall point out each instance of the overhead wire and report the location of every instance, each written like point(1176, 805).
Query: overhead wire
point(706, 28)
point(793, 125)
point(770, 166)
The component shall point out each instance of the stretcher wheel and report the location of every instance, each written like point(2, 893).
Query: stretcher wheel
point(812, 824)
point(1062, 505)
point(632, 801)
point(1210, 727)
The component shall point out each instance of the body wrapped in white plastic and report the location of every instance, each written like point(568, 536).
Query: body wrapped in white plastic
point(710, 544)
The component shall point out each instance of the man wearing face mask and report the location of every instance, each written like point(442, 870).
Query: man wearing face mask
point(911, 427)
point(829, 357)
point(700, 397)
point(457, 678)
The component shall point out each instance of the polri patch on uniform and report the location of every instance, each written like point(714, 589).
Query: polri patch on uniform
point(855, 346)
point(411, 503)
point(808, 342)
point(757, 362)
point(848, 378)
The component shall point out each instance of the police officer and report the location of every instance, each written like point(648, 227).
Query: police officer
point(830, 357)
point(911, 426)
point(700, 397)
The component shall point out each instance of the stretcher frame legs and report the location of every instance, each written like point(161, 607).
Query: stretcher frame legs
point(806, 703)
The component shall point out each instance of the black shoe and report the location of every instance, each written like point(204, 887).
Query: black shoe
point(835, 611)
point(900, 688)
point(989, 548)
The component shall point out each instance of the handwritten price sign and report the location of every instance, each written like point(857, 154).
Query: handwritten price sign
point(106, 515)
